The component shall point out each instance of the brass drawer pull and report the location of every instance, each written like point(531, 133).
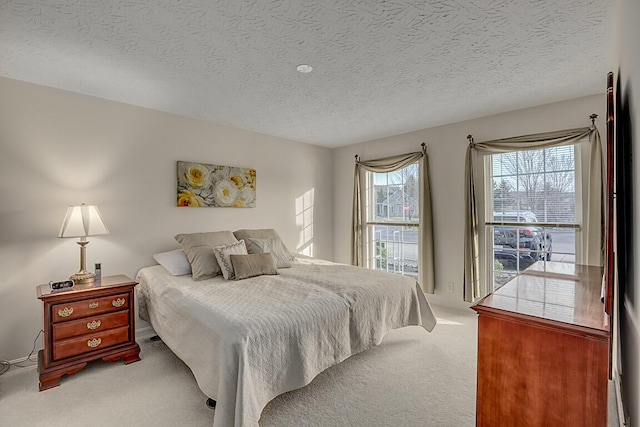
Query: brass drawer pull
point(94, 325)
point(93, 305)
point(118, 302)
point(94, 342)
point(66, 312)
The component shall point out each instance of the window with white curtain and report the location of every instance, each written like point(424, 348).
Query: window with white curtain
point(393, 218)
point(532, 209)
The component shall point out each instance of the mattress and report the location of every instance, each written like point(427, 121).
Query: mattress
point(248, 341)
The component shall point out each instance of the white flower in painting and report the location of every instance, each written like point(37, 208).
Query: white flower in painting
point(248, 195)
point(220, 173)
point(225, 192)
point(196, 175)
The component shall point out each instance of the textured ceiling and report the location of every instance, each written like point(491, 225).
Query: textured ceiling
point(380, 67)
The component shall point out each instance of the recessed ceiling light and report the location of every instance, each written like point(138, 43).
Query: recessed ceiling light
point(304, 68)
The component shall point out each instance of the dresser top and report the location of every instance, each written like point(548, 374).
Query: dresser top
point(553, 291)
point(45, 291)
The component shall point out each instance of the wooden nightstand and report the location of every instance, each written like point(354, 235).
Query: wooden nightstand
point(88, 322)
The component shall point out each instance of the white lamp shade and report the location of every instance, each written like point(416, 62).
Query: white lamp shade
point(82, 221)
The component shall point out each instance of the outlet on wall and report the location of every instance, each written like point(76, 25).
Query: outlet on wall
point(450, 287)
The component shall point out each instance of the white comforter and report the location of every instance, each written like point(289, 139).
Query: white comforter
point(248, 341)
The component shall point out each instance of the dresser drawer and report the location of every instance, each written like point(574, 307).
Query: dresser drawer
point(89, 343)
point(89, 307)
point(90, 325)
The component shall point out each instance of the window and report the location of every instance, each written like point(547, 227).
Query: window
point(532, 210)
point(393, 218)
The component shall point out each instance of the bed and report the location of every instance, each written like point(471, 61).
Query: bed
point(248, 341)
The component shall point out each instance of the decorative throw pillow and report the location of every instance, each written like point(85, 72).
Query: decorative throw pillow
point(275, 247)
point(223, 255)
point(262, 233)
point(175, 262)
point(253, 265)
point(199, 250)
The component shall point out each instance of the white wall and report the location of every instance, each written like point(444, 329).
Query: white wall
point(446, 147)
point(629, 58)
point(58, 149)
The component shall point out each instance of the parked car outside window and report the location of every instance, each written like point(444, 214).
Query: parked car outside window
point(528, 243)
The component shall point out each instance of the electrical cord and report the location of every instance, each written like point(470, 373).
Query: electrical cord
point(5, 365)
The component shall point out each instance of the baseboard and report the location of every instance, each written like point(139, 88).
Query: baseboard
point(447, 301)
point(144, 333)
point(621, 418)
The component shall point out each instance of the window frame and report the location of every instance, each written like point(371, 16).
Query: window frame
point(487, 222)
point(370, 222)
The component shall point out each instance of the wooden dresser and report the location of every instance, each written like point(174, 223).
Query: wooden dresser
point(543, 350)
point(88, 322)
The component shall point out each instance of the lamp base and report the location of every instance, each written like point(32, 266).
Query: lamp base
point(83, 276)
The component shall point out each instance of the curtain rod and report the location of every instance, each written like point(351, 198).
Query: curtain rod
point(593, 118)
point(423, 147)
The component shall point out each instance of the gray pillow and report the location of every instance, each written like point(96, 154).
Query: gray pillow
point(253, 265)
point(262, 233)
point(223, 255)
point(275, 247)
point(199, 250)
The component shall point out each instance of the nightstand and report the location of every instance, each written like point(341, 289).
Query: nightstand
point(88, 322)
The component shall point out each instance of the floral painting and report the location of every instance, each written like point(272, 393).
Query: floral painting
point(203, 185)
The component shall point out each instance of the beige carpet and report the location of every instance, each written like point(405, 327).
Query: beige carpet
point(414, 378)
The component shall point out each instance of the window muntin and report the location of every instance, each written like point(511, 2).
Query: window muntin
point(538, 188)
point(393, 218)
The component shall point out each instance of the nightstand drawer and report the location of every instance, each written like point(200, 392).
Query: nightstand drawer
point(90, 325)
point(89, 307)
point(88, 343)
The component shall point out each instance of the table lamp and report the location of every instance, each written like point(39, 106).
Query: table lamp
point(82, 221)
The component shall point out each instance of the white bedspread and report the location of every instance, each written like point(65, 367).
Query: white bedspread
point(248, 341)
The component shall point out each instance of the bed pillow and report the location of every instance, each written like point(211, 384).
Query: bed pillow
point(252, 265)
point(275, 247)
point(199, 250)
point(175, 262)
point(262, 233)
point(223, 255)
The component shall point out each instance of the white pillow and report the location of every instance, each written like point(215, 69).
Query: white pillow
point(175, 262)
point(223, 255)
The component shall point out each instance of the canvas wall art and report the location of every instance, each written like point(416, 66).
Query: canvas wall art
point(204, 185)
